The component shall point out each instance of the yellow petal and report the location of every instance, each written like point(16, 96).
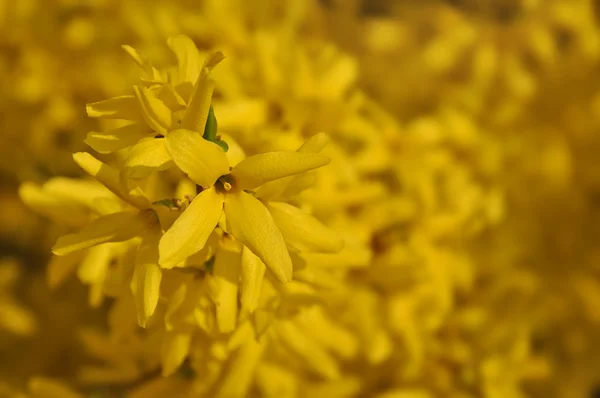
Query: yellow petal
point(188, 58)
point(322, 329)
point(348, 257)
point(150, 74)
point(111, 141)
point(250, 222)
point(235, 154)
point(303, 232)
point(226, 273)
point(203, 161)
point(259, 169)
point(241, 113)
point(61, 267)
point(171, 98)
point(124, 107)
point(95, 264)
point(289, 186)
point(238, 378)
point(157, 115)
point(180, 311)
point(175, 348)
point(116, 227)
point(276, 381)
point(197, 112)
point(314, 356)
point(57, 208)
point(147, 276)
point(110, 178)
point(146, 156)
point(253, 271)
point(42, 387)
point(191, 230)
point(315, 144)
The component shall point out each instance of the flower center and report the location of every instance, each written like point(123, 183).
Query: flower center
point(225, 183)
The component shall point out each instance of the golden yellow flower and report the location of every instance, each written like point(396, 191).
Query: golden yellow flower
point(227, 191)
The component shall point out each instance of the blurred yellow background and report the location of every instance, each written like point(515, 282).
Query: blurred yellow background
point(472, 167)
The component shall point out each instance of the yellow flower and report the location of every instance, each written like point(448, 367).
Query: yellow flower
point(141, 221)
point(227, 191)
point(162, 104)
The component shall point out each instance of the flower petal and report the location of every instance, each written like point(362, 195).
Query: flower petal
point(251, 223)
point(259, 169)
point(175, 348)
point(60, 209)
point(315, 144)
point(110, 178)
point(61, 267)
point(226, 273)
point(124, 107)
point(303, 232)
point(199, 104)
point(116, 227)
point(238, 379)
point(49, 388)
point(253, 271)
point(190, 232)
point(288, 186)
point(188, 57)
point(111, 141)
point(147, 276)
point(156, 114)
point(203, 161)
point(146, 156)
point(149, 73)
point(315, 357)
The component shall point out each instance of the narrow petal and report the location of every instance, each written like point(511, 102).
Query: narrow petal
point(253, 271)
point(112, 141)
point(289, 186)
point(111, 179)
point(303, 232)
point(226, 273)
point(315, 144)
point(95, 264)
point(348, 257)
point(49, 388)
point(171, 98)
point(57, 208)
point(60, 268)
point(156, 114)
point(259, 169)
point(190, 232)
point(199, 104)
point(238, 379)
point(124, 107)
point(316, 358)
point(147, 276)
point(250, 222)
point(188, 58)
point(175, 348)
point(146, 156)
point(203, 161)
point(116, 227)
point(150, 74)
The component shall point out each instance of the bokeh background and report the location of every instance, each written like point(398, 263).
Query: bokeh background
point(484, 132)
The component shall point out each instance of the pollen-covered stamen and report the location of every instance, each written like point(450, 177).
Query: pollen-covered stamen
point(225, 183)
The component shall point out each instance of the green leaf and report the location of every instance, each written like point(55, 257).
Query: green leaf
point(210, 130)
point(222, 144)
